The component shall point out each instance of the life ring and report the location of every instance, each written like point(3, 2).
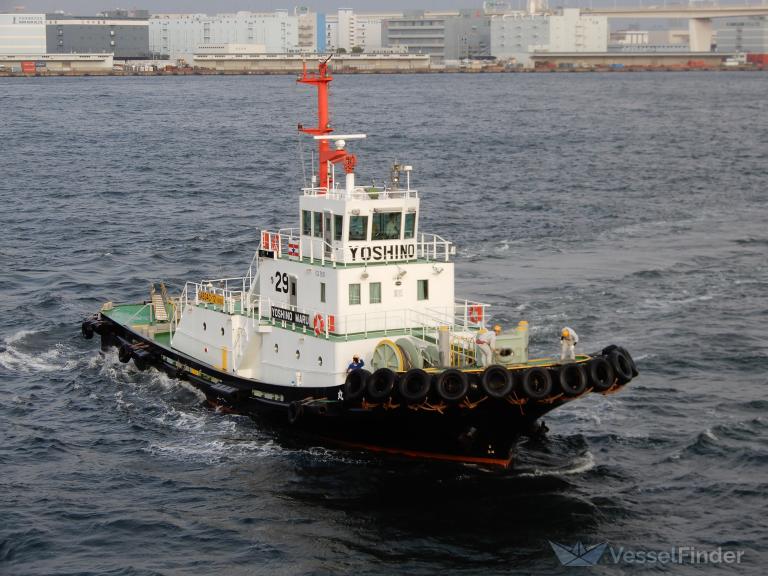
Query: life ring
point(476, 314)
point(497, 381)
point(573, 379)
point(319, 324)
point(414, 386)
point(452, 385)
point(380, 384)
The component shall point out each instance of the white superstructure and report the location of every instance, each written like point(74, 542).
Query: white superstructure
point(355, 275)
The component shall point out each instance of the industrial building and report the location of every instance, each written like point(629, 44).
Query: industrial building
point(24, 49)
point(176, 36)
point(22, 34)
point(126, 35)
point(519, 35)
point(748, 35)
point(350, 31)
point(445, 37)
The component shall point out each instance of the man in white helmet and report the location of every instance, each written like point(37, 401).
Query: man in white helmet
point(568, 341)
point(486, 344)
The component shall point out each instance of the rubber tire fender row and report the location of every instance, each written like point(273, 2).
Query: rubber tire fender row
point(573, 379)
point(355, 384)
point(497, 381)
point(601, 374)
point(622, 366)
point(451, 385)
point(537, 383)
point(381, 384)
point(414, 386)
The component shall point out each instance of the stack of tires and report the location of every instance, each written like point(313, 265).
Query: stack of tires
point(613, 366)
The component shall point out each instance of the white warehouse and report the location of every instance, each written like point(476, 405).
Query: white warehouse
point(518, 35)
point(179, 35)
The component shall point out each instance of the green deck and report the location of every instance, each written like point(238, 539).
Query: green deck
point(138, 317)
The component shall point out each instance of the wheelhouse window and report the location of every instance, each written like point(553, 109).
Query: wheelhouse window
point(386, 226)
point(306, 222)
point(318, 224)
point(354, 294)
point(375, 293)
point(423, 290)
point(410, 225)
point(338, 227)
point(358, 227)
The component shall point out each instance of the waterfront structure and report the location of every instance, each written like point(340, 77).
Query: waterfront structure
point(748, 35)
point(619, 60)
point(348, 30)
point(22, 34)
point(36, 63)
point(444, 36)
point(235, 59)
point(124, 34)
point(176, 36)
point(518, 35)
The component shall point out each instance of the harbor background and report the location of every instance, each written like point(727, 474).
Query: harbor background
point(493, 36)
point(630, 207)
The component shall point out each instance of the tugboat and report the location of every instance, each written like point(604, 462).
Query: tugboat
point(357, 279)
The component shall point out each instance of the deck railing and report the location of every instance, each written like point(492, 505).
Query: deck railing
point(360, 193)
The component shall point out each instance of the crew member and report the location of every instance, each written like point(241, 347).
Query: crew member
point(356, 363)
point(568, 341)
point(486, 344)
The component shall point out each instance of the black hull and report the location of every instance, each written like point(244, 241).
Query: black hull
point(482, 430)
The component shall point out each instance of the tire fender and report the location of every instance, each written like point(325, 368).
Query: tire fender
point(497, 381)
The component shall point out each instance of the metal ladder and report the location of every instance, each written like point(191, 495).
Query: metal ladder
point(158, 303)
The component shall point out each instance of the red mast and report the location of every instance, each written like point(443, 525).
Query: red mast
point(327, 157)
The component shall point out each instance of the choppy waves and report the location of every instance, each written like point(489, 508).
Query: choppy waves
point(611, 226)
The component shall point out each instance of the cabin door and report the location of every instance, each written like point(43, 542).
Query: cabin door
point(327, 233)
point(292, 291)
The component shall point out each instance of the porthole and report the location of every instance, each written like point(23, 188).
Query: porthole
point(319, 360)
point(276, 348)
point(204, 327)
point(298, 354)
